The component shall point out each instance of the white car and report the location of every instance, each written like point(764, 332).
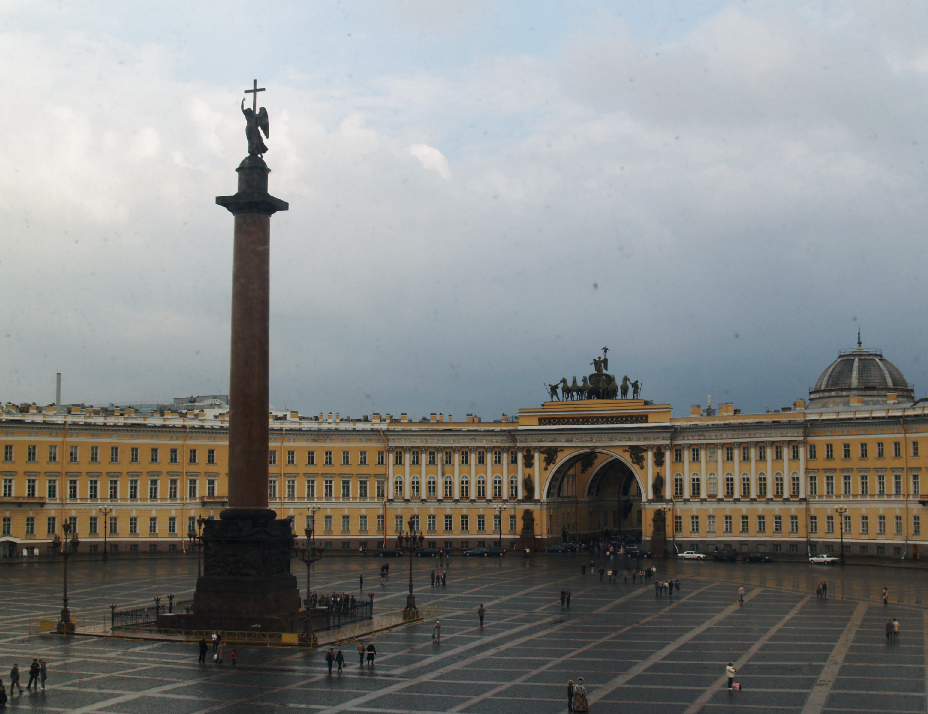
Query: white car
point(823, 558)
point(691, 555)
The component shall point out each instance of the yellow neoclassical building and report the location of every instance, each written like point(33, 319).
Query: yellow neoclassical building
point(844, 465)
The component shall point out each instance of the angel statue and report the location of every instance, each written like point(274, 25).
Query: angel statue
point(255, 123)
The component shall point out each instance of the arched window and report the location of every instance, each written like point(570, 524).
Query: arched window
point(794, 484)
point(448, 487)
point(729, 485)
point(481, 487)
point(465, 487)
point(497, 487)
point(745, 485)
point(513, 488)
point(414, 487)
point(778, 484)
point(695, 486)
point(431, 487)
point(678, 486)
point(712, 485)
point(762, 485)
point(398, 487)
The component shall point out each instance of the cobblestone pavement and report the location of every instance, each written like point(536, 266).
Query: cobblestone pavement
point(637, 652)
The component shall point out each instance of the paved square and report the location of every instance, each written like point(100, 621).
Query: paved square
point(636, 651)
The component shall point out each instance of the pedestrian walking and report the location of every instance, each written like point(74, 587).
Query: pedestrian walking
point(361, 581)
point(203, 649)
point(436, 631)
point(444, 578)
point(215, 639)
point(582, 568)
point(580, 703)
point(730, 673)
point(43, 671)
point(824, 589)
point(220, 648)
point(371, 653)
point(676, 587)
point(360, 654)
point(330, 658)
point(563, 597)
point(481, 611)
point(234, 655)
point(14, 679)
point(33, 674)
point(889, 631)
point(568, 599)
point(570, 695)
point(3, 696)
point(741, 595)
point(885, 597)
point(433, 578)
point(602, 570)
point(895, 630)
point(340, 661)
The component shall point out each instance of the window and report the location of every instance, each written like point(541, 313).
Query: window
point(694, 454)
point(174, 455)
point(864, 484)
point(761, 453)
point(397, 457)
point(745, 524)
point(812, 452)
point(813, 485)
point(794, 449)
point(915, 449)
point(846, 482)
point(694, 524)
point(153, 490)
point(794, 485)
point(7, 487)
point(897, 483)
point(211, 488)
point(762, 486)
point(745, 486)
point(362, 523)
point(346, 458)
point(846, 451)
point(211, 456)
point(52, 489)
point(497, 457)
point(291, 489)
point(678, 455)
point(430, 456)
point(30, 525)
point(346, 488)
point(729, 453)
point(7, 452)
point(134, 455)
point(271, 458)
point(829, 484)
point(73, 454)
point(678, 524)
point(813, 524)
point(695, 486)
point(398, 487)
point(133, 525)
point(513, 488)
point(93, 489)
point(448, 488)
point(761, 524)
point(414, 487)
point(727, 524)
point(32, 453)
point(52, 454)
point(114, 454)
point(380, 458)
point(362, 488)
point(916, 525)
point(362, 458)
point(380, 523)
point(310, 488)
point(381, 489)
point(916, 485)
point(829, 451)
point(327, 458)
point(778, 485)
point(310, 458)
point(481, 523)
point(778, 452)
point(51, 525)
point(465, 487)
point(879, 450)
point(114, 525)
point(881, 483)
point(712, 485)
point(863, 450)
point(778, 524)
point(7, 525)
point(465, 524)
point(465, 458)
point(449, 523)
point(497, 523)
point(745, 453)
point(481, 487)
point(31, 488)
point(192, 456)
point(481, 458)
point(172, 525)
point(864, 525)
point(346, 524)
point(432, 523)
point(881, 525)
point(678, 486)
point(897, 449)
point(327, 524)
point(431, 488)
point(153, 526)
point(794, 524)
point(192, 488)
point(328, 488)
point(449, 457)
point(133, 488)
point(514, 458)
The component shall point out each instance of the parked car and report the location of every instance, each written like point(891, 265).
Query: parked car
point(389, 553)
point(756, 558)
point(824, 558)
point(428, 553)
point(496, 550)
point(476, 551)
point(691, 555)
point(554, 548)
point(725, 555)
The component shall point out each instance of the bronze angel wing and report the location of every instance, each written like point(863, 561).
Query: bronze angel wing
point(263, 122)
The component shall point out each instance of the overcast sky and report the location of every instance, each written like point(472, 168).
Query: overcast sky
point(482, 196)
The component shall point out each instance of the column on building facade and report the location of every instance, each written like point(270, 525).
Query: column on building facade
point(753, 450)
point(505, 493)
point(521, 491)
point(537, 474)
point(703, 474)
point(650, 475)
point(473, 478)
point(686, 472)
point(737, 467)
point(423, 457)
point(390, 494)
point(407, 492)
point(771, 485)
point(719, 474)
point(787, 479)
point(668, 480)
point(457, 475)
point(803, 492)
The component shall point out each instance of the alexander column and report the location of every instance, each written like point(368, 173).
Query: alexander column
point(247, 551)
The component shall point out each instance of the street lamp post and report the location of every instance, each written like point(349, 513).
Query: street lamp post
point(106, 527)
point(195, 539)
point(309, 555)
point(410, 542)
point(499, 521)
point(67, 548)
point(841, 511)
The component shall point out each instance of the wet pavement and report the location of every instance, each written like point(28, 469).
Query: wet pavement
point(636, 651)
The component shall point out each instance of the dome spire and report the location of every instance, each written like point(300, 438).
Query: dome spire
point(859, 343)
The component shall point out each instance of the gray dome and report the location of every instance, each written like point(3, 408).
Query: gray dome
point(860, 373)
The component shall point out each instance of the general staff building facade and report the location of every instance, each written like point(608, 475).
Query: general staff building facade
point(845, 467)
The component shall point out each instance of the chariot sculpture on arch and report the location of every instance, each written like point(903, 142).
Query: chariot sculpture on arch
point(599, 385)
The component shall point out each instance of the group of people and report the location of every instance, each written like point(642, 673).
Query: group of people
point(576, 696)
point(671, 587)
point(439, 577)
point(38, 673)
point(219, 649)
point(565, 599)
point(892, 631)
point(821, 589)
point(333, 601)
point(338, 657)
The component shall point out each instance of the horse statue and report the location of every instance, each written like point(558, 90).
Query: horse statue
point(624, 387)
point(575, 390)
point(552, 390)
point(565, 389)
point(636, 389)
point(586, 389)
point(612, 389)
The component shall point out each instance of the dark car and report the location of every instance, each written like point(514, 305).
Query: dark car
point(428, 553)
point(476, 551)
point(756, 558)
point(389, 553)
point(495, 550)
point(725, 555)
point(554, 548)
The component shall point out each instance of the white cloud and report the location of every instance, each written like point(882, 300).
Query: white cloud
point(432, 159)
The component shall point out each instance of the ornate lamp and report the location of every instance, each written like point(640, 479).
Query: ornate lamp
point(410, 542)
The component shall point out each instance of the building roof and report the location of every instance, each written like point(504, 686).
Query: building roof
point(860, 375)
